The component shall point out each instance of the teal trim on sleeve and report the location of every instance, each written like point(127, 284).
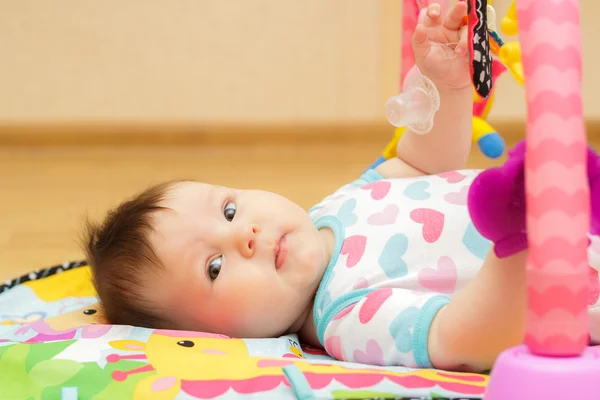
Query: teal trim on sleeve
point(315, 208)
point(337, 306)
point(339, 233)
point(371, 176)
point(421, 331)
point(298, 383)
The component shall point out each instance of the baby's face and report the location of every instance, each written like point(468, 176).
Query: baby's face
point(243, 263)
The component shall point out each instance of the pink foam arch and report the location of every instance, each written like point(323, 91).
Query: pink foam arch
point(555, 361)
point(548, 28)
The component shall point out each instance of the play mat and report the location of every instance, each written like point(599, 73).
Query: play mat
point(54, 344)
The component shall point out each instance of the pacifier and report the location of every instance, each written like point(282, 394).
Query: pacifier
point(416, 106)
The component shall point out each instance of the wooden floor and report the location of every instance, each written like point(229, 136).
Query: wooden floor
point(45, 192)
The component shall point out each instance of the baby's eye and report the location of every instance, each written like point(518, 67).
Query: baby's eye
point(229, 211)
point(214, 268)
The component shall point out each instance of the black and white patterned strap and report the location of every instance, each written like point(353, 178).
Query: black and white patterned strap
point(40, 274)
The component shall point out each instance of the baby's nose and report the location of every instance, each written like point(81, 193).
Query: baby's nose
point(246, 240)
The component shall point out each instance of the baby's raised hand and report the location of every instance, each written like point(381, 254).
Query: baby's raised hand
point(440, 46)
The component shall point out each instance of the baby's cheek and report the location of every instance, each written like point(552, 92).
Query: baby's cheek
point(249, 297)
point(305, 271)
point(247, 294)
point(240, 317)
point(224, 318)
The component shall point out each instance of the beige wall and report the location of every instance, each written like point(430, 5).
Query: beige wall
point(236, 60)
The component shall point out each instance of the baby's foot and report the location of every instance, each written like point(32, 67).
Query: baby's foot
point(497, 204)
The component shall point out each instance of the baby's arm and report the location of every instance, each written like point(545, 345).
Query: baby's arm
point(446, 147)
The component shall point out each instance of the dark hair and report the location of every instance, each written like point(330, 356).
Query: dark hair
point(120, 255)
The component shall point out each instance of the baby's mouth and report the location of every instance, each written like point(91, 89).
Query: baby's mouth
point(281, 250)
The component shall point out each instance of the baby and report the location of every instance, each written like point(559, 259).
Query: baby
point(388, 270)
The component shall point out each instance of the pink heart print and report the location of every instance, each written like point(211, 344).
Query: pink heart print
point(379, 189)
point(386, 217)
point(333, 345)
point(458, 198)
point(354, 247)
point(344, 312)
point(442, 279)
point(373, 355)
point(452, 176)
point(361, 283)
point(432, 220)
point(372, 304)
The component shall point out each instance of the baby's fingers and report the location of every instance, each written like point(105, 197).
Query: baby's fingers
point(420, 41)
point(454, 18)
point(431, 16)
point(462, 48)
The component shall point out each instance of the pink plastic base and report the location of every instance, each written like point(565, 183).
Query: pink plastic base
point(520, 375)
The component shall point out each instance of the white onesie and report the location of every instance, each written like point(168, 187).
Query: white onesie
point(403, 248)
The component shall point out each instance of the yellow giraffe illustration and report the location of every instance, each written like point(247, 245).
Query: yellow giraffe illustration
point(205, 365)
